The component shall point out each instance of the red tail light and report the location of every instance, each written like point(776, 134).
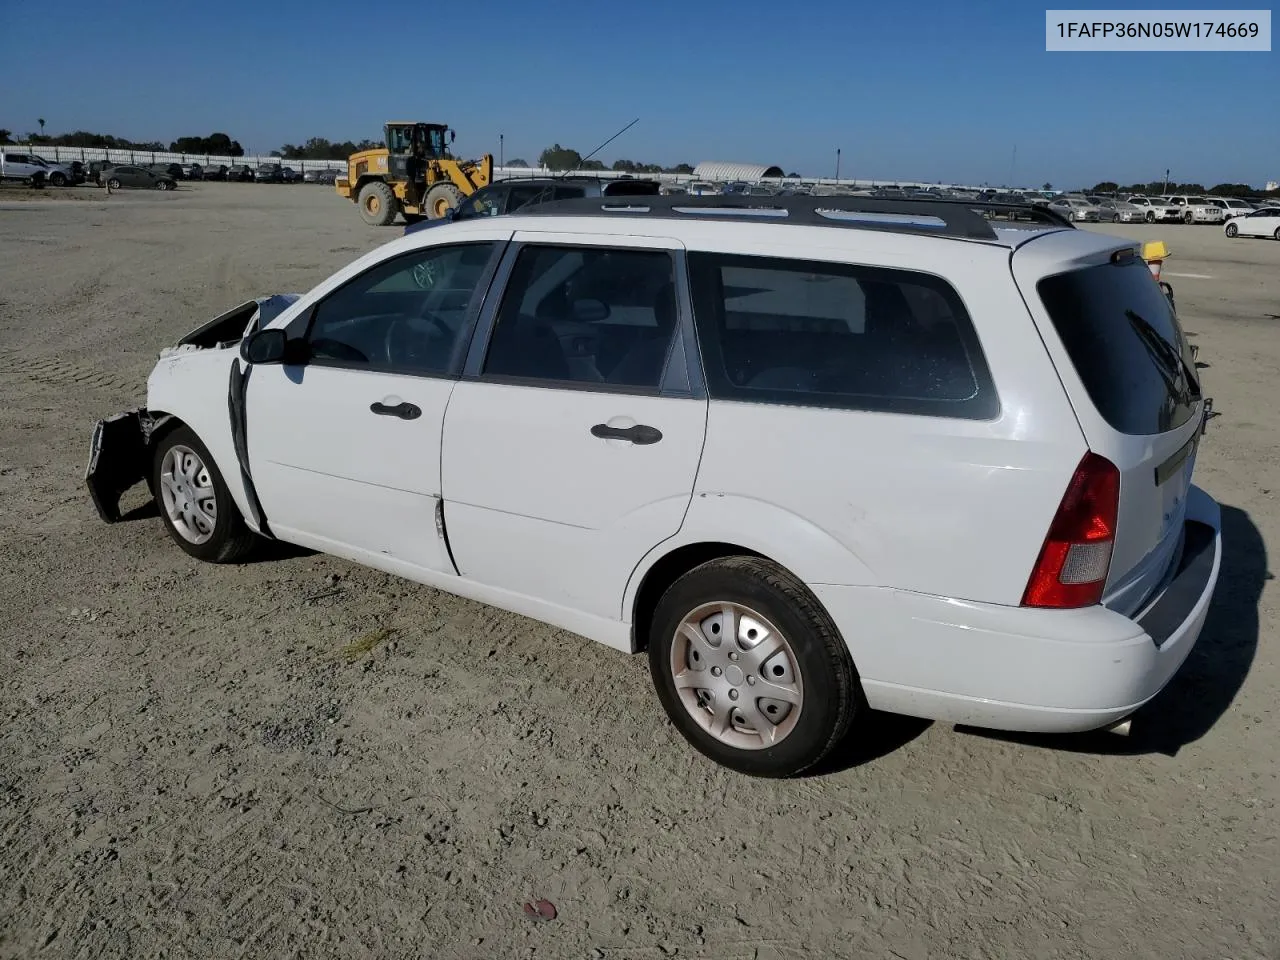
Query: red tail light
point(1073, 564)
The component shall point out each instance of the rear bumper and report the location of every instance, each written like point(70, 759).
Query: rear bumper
point(1013, 668)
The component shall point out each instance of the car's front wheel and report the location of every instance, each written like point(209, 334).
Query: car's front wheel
point(751, 669)
point(1232, 230)
point(195, 504)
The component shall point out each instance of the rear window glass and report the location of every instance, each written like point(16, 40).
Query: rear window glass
point(823, 334)
point(1126, 344)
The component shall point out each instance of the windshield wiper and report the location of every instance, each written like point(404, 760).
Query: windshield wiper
point(1165, 353)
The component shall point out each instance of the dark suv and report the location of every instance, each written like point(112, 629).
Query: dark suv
point(507, 196)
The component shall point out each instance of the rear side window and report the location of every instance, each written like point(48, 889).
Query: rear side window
point(774, 330)
point(1125, 343)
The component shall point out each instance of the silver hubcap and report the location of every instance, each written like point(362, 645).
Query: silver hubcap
point(187, 491)
point(737, 676)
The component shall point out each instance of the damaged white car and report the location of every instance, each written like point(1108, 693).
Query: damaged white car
point(904, 458)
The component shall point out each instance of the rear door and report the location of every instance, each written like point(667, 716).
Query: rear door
point(1129, 370)
point(572, 442)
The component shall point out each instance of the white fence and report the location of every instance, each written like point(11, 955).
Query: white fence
point(86, 154)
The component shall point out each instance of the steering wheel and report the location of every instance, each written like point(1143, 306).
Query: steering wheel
point(404, 342)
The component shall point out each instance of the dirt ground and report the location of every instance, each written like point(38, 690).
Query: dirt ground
point(205, 762)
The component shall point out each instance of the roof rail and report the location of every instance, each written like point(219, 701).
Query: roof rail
point(963, 219)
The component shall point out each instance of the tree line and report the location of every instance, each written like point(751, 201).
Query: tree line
point(318, 148)
point(556, 157)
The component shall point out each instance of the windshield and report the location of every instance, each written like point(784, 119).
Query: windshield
point(482, 203)
point(1126, 344)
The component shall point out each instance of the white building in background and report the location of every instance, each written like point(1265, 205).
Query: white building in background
point(1273, 185)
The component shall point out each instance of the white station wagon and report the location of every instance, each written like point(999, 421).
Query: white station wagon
point(814, 455)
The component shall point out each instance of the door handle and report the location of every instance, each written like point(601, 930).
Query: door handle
point(405, 411)
point(641, 433)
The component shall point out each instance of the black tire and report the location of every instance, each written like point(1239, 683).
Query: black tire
point(232, 540)
point(163, 185)
point(1188, 218)
point(1232, 230)
point(378, 204)
point(832, 694)
point(1276, 235)
point(440, 195)
point(58, 180)
point(113, 183)
point(1151, 217)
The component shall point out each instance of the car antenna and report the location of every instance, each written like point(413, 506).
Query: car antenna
point(601, 147)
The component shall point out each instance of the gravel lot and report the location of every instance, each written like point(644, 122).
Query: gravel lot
point(196, 762)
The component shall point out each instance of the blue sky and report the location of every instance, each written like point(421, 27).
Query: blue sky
point(933, 91)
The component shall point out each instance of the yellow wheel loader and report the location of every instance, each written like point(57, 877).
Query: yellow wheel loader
point(414, 175)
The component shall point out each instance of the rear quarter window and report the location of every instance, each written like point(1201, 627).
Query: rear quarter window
point(776, 330)
point(1126, 345)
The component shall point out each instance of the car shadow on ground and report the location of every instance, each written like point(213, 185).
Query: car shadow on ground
point(878, 735)
point(1204, 687)
point(267, 551)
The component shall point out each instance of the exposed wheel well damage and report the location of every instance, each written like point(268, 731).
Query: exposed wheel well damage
point(120, 453)
point(667, 571)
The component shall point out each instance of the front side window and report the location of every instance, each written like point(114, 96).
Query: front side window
point(586, 315)
point(407, 315)
point(399, 140)
point(837, 335)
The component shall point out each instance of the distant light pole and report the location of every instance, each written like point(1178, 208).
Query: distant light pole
point(1166, 181)
point(501, 151)
point(837, 163)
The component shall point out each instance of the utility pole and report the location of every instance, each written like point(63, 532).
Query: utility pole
point(837, 163)
point(1166, 181)
point(501, 151)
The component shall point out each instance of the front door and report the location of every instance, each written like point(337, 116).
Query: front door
point(570, 450)
point(344, 446)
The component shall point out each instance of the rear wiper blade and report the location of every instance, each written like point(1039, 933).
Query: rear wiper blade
point(1163, 351)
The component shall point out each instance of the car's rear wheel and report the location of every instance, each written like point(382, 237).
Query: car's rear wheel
point(1232, 230)
point(1151, 217)
point(751, 669)
point(1187, 218)
point(113, 183)
point(195, 505)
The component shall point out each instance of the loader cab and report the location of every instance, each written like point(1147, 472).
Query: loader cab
point(411, 146)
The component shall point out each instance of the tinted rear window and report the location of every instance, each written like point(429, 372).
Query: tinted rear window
point(1126, 344)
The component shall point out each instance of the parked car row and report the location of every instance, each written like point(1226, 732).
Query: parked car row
point(23, 165)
